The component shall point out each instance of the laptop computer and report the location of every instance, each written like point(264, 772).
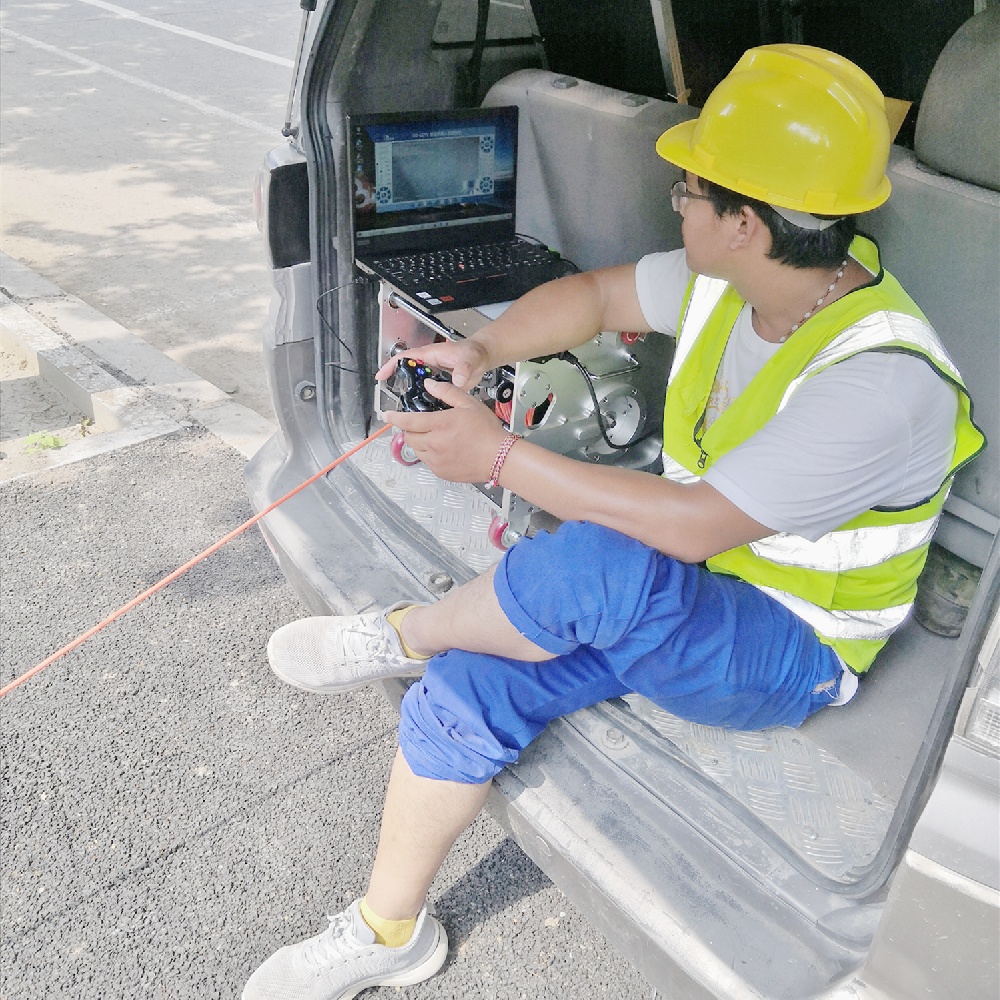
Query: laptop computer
point(434, 207)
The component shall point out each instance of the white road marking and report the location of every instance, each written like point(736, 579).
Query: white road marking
point(197, 35)
point(208, 109)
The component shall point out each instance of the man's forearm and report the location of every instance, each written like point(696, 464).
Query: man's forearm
point(561, 315)
point(688, 522)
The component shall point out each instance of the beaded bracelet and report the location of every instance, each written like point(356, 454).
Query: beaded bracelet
point(508, 443)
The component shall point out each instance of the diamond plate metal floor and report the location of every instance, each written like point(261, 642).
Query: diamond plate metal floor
point(831, 816)
point(456, 514)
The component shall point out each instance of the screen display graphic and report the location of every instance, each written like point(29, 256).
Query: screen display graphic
point(446, 170)
point(431, 170)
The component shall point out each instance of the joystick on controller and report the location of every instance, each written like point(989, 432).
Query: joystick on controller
point(414, 397)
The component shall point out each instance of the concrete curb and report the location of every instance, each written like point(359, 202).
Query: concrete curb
point(131, 390)
point(120, 413)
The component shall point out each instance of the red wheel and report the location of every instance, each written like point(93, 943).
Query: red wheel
point(496, 530)
point(401, 451)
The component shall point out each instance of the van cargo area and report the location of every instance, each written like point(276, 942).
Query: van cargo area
point(783, 863)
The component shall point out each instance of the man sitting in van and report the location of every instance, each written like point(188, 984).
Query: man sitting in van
point(812, 425)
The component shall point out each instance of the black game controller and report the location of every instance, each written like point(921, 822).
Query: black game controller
point(415, 397)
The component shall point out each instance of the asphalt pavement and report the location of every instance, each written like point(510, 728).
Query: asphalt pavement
point(132, 133)
point(172, 813)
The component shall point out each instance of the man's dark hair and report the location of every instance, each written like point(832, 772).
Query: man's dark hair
point(789, 243)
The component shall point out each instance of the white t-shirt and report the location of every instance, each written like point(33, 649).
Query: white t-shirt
point(873, 430)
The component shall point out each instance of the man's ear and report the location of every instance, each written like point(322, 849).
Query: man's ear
point(747, 228)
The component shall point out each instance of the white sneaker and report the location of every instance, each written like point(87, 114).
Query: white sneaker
point(330, 655)
point(344, 960)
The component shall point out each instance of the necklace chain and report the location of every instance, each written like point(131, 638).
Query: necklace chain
point(819, 301)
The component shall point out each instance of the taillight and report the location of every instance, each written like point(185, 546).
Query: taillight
point(983, 727)
point(281, 206)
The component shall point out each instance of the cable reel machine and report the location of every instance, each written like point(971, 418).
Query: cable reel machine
point(600, 403)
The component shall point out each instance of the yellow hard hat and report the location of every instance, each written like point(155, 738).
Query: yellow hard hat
point(793, 126)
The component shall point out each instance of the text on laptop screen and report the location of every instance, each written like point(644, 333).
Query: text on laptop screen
point(416, 173)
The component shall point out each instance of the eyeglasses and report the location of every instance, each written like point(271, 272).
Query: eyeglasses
point(679, 193)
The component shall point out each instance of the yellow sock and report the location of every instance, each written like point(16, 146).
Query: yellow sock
point(394, 619)
point(391, 933)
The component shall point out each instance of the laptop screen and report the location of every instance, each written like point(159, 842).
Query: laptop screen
point(426, 179)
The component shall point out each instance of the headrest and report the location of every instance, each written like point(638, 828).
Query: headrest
point(958, 127)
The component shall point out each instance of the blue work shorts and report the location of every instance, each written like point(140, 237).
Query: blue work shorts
point(621, 617)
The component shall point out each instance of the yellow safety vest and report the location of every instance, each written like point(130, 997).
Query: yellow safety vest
point(856, 584)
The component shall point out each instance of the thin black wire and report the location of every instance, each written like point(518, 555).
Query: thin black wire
point(343, 343)
point(539, 243)
point(588, 378)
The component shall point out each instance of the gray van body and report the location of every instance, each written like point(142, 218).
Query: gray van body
point(858, 856)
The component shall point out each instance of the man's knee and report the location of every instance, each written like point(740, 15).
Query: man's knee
point(573, 539)
point(586, 584)
point(444, 735)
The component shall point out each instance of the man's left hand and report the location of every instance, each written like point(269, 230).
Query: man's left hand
point(459, 444)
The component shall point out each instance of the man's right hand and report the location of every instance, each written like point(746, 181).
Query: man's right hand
point(466, 360)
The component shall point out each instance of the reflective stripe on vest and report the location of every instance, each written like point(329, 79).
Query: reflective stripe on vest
point(879, 330)
point(839, 551)
point(676, 472)
point(703, 299)
point(866, 625)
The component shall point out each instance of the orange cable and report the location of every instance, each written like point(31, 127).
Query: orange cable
point(183, 569)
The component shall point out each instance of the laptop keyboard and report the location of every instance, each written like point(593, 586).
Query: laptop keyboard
point(457, 263)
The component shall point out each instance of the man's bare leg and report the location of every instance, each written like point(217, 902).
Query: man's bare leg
point(469, 618)
point(422, 816)
point(420, 821)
